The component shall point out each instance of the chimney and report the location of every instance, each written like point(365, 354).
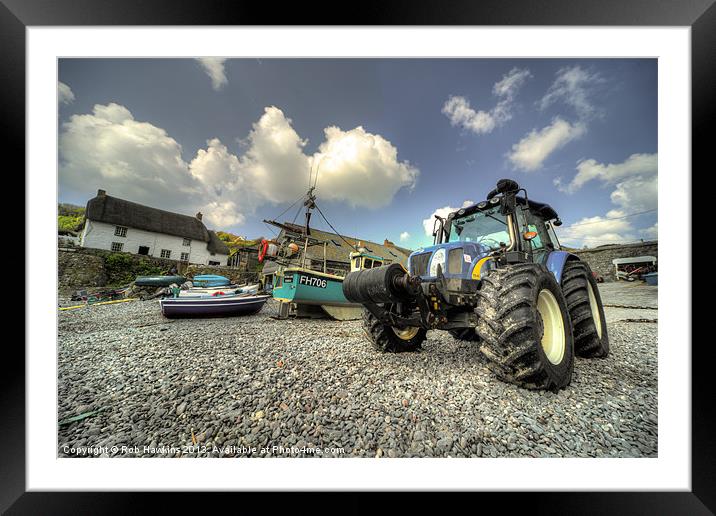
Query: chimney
point(101, 193)
point(199, 215)
point(388, 243)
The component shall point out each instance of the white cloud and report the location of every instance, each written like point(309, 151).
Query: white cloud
point(274, 162)
point(223, 213)
point(404, 236)
point(595, 231)
point(109, 149)
point(214, 68)
point(634, 165)
point(573, 86)
point(138, 161)
point(355, 166)
point(360, 168)
point(635, 182)
point(652, 232)
point(443, 212)
point(531, 151)
point(460, 113)
point(64, 93)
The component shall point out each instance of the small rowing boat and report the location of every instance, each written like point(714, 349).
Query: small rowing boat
point(158, 281)
point(210, 280)
point(226, 305)
point(217, 291)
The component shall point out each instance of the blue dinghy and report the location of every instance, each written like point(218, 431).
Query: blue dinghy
point(210, 280)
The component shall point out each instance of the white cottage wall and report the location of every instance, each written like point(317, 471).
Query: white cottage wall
point(100, 235)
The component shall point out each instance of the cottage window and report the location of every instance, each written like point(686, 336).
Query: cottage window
point(185, 257)
point(166, 253)
point(143, 249)
point(117, 246)
point(186, 242)
point(120, 231)
point(214, 263)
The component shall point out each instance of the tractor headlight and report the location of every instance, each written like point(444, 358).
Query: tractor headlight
point(437, 259)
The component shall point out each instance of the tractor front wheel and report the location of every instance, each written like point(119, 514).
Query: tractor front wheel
point(390, 339)
point(525, 327)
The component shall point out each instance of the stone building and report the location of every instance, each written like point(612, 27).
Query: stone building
point(122, 226)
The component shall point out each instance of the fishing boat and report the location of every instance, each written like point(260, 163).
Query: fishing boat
point(301, 289)
point(213, 306)
point(210, 280)
point(158, 281)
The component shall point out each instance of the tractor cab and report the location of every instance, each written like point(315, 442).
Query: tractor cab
point(505, 228)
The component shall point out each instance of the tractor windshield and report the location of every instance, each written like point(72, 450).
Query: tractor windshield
point(487, 227)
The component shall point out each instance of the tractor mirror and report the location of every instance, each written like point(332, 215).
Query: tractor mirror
point(529, 235)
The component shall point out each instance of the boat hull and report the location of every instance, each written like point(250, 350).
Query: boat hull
point(158, 281)
point(210, 291)
point(212, 307)
point(308, 287)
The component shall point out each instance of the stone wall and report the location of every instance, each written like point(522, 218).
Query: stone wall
point(77, 270)
point(600, 258)
point(86, 268)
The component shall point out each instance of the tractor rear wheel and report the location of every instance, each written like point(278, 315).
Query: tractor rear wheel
point(390, 339)
point(468, 334)
point(585, 310)
point(525, 328)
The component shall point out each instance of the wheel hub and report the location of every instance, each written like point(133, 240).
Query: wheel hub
point(553, 338)
point(406, 333)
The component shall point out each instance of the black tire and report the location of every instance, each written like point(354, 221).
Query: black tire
point(467, 334)
point(590, 337)
point(385, 339)
point(511, 327)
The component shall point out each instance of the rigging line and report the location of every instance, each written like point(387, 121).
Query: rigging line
point(292, 205)
point(296, 216)
point(610, 218)
point(334, 229)
point(272, 229)
point(315, 181)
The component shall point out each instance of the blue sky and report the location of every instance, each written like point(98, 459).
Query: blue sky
point(394, 139)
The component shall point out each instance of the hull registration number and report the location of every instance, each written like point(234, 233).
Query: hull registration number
point(312, 281)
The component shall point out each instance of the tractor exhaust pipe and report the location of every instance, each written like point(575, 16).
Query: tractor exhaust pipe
point(386, 284)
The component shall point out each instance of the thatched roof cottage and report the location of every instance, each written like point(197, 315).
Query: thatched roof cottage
point(124, 226)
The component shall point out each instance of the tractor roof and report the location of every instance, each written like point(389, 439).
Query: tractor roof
point(539, 208)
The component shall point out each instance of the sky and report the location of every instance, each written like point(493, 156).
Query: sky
point(392, 141)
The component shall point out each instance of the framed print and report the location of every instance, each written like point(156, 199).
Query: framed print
point(416, 249)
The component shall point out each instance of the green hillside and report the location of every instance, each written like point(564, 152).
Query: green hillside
point(70, 217)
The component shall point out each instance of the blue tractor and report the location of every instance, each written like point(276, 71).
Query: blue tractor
point(495, 275)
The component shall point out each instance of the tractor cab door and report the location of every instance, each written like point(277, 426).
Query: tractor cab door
point(542, 244)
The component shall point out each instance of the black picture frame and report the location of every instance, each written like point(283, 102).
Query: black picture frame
point(700, 15)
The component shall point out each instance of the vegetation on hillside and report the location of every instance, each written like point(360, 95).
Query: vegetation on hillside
point(70, 217)
point(234, 242)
